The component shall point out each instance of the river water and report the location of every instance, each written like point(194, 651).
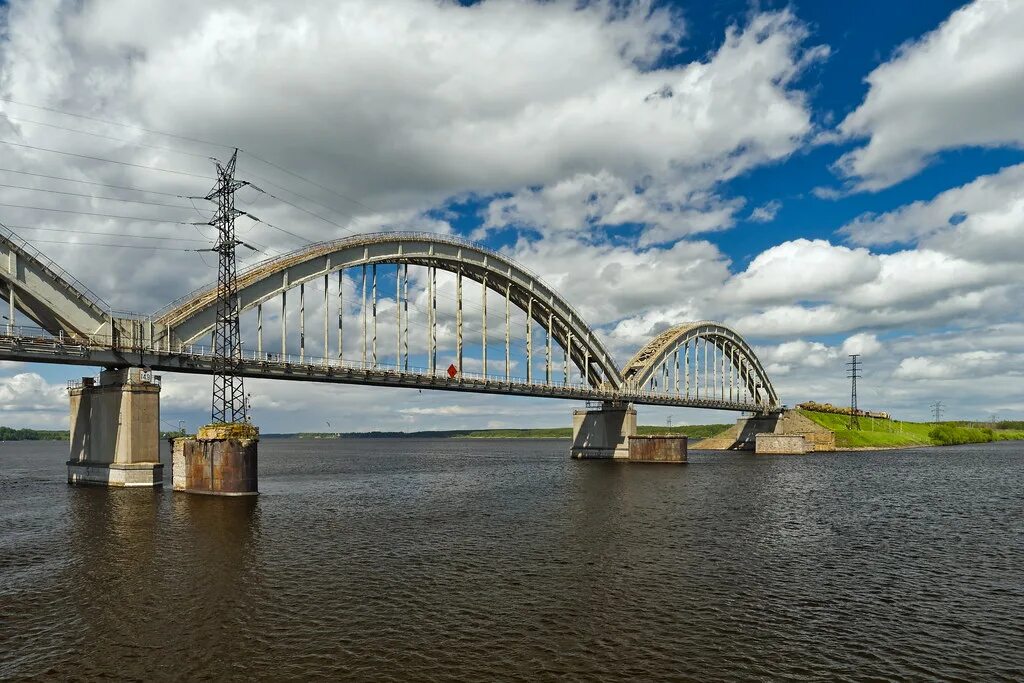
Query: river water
point(504, 560)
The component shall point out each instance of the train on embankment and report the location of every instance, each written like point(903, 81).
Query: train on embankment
point(843, 410)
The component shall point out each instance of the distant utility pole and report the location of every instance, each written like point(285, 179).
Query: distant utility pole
point(853, 371)
point(937, 409)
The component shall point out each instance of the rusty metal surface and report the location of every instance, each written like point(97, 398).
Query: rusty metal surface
point(226, 467)
point(657, 448)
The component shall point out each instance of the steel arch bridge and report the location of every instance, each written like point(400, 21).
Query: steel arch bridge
point(361, 288)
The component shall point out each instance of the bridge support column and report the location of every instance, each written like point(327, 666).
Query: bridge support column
point(115, 430)
point(603, 432)
point(220, 460)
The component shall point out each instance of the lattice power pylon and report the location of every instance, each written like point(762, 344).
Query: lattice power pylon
point(229, 403)
point(853, 371)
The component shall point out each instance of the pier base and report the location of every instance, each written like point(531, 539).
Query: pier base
point(657, 449)
point(115, 430)
point(220, 460)
point(603, 433)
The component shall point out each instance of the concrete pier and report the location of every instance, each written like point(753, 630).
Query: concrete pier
point(115, 430)
point(603, 432)
point(782, 444)
point(220, 460)
point(655, 448)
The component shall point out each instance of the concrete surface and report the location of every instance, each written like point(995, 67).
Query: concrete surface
point(115, 430)
point(781, 444)
point(603, 432)
point(657, 449)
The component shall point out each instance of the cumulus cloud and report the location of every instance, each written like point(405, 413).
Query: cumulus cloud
point(862, 343)
point(553, 106)
point(802, 269)
point(29, 392)
point(975, 364)
point(981, 220)
point(960, 85)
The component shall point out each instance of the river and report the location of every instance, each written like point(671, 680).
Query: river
point(473, 560)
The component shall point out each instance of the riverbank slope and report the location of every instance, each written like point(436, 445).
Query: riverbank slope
point(875, 433)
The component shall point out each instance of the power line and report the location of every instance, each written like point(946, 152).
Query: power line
point(106, 137)
point(300, 208)
point(119, 246)
point(109, 161)
point(91, 182)
point(92, 196)
point(169, 149)
point(116, 123)
point(937, 409)
point(111, 234)
point(311, 182)
point(275, 227)
point(90, 213)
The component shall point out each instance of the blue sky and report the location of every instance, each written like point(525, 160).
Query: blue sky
point(825, 177)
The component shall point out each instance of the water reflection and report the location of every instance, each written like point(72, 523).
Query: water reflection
point(376, 560)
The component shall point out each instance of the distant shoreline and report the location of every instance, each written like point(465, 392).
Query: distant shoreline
point(695, 432)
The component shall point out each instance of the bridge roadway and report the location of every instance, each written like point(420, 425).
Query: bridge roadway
point(15, 345)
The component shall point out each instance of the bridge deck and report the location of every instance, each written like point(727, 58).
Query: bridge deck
point(198, 360)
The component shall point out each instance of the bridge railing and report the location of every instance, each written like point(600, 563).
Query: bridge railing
point(40, 340)
point(55, 269)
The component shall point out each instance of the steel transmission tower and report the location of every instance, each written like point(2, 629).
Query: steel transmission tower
point(937, 409)
point(229, 403)
point(853, 371)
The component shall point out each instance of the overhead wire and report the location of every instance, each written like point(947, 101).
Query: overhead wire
point(92, 196)
point(110, 234)
point(92, 182)
point(109, 161)
point(106, 137)
point(301, 208)
point(165, 170)
point(311, 182)
point(93, 213)
point(115, 123)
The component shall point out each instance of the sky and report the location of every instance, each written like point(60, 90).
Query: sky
point(826, 178)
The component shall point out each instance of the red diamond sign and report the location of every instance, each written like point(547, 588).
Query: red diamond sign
point(452, 371)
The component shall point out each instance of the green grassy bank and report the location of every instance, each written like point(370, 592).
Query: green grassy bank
point(876, 433)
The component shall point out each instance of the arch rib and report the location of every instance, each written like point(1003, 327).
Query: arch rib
point(646, 362)
point(192, 316)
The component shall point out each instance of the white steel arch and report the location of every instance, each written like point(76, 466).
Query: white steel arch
point(192, 316)
point(715, 358)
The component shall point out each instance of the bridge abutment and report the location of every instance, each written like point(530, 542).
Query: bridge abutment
point(220, 460)
point(604, 432)
point(115, 430)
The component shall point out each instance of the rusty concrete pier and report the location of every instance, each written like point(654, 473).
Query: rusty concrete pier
point(220, 460)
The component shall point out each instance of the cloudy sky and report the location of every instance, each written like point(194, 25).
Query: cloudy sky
point(827, 178)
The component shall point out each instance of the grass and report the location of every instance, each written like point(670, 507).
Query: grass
point(876, 433)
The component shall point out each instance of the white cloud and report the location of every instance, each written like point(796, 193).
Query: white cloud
point(801, 270)
point(862, 343)
point(607, 282)
point(766, 212)
point(960, 85)
point(28, 392)
point(973, 364)
point(983, 220)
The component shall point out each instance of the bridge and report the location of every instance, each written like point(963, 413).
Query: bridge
point(530, 342)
